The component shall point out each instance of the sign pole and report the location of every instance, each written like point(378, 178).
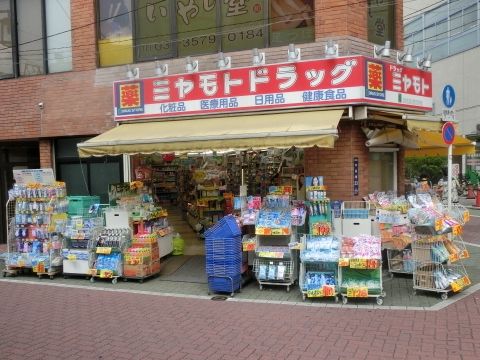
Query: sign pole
point(450, 151)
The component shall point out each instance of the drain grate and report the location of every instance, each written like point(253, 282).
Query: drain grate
point(219, 298)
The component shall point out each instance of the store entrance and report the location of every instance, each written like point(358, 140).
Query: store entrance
point(24, 155)
point(198, 189)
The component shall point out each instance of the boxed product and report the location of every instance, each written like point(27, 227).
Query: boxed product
point(155, 267)
point(136, 270)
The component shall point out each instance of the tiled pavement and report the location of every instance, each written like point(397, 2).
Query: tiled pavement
point(50, 322)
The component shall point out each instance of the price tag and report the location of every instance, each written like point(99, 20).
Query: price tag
point(453, 257)
point(464, 254)
point(457, 285)
point(358, 263)
point(358, 292)
point(104, 250)
point(466, 281)
point(373, 263)
point(315, 293)
point(248, 246)
point(71, 257)
point(41, 267)
point(35, 268)
point(343, 262)
point(106, 274)
point(438, 224)
point(296, 246)
point(457, 230)
point(466, 216)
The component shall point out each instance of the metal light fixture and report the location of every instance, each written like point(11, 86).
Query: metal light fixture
point(382, 51)
point(293, 53)
point(192, 65)
point(331, 49)
point(224, 62)
point(258, 57)
point(132, 73)
point(405, 57)
point(425, 63)
point(161, 69)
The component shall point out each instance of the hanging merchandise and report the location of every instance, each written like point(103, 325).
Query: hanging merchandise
point(318, 206)
point(275, 260)
point(360, 271)
point(36, 222)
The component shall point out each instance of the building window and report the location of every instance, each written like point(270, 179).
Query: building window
point(381, 21)
point(150, 30)
point(90, 176)
point(382, 174)
point(32, 43)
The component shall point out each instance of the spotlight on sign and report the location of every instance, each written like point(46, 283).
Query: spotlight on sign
point(191, 66)
point(331, 49)
point(425, 63)
point(382, 51)
point(161, 69)
point(132, 73)
point(293, 53)
point(224, 62)
point(405, 57)
point(258, 57)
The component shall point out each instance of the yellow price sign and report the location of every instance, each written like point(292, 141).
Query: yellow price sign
point(71, 257)
point(315, 293)
point(457, 230)
point(457, 285)
point(466, 216)
point(357, 292)
point(106, 274)
point(438, 224)
point(328, 290)
point(466, 280)
point(373, 263)
point(453, 257)
point(104, 250)
point(35, 268)
point(358, 263)
point(464, 254)
point(343, 262)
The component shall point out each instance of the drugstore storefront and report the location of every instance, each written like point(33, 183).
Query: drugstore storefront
point(344, 111)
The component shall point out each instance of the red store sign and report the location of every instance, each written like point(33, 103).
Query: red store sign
point(314, 83)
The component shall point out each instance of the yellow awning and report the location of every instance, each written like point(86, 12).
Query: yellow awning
point(421, 125)
point(301, 129)
point(432, 144)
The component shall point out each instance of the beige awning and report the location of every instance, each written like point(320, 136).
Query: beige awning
point(300, 129)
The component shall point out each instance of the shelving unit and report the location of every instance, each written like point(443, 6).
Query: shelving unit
point(319, 266)
point(360, 268)
point(36, 217)
point(275, 262)
point(165, 182)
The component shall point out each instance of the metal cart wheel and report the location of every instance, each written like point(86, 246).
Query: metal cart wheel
point(288, 288)
point(92, 279)
point(114, 281)
point(379, 301)
point(344, 300)
point(444, 296)
point(384, 294)
point(260, 287)
point(52, 277)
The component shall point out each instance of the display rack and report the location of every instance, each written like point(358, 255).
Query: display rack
point(106, 247)
point(360, 268)
point(318, 276)
point(275, 261)
point(36, 218)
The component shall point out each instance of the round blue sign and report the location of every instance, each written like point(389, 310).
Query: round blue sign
point(448, 133)
point(448, 96)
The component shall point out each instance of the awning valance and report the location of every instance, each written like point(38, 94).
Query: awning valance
point(432, 144)
point(301, 129)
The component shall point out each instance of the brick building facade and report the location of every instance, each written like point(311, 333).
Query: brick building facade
point(78, 103)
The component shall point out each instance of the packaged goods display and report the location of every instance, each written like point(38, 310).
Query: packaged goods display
point(36, 227)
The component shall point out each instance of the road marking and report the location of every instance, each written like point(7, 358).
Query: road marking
point(436, 307)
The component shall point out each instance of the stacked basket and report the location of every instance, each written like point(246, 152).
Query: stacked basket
point(223, 248)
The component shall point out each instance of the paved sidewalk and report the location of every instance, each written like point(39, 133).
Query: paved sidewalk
point(46, 322)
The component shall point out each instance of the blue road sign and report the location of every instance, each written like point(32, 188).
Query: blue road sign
point(448, 96)
point(448, 133)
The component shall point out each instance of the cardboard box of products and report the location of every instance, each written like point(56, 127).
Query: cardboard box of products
point(135, 271)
